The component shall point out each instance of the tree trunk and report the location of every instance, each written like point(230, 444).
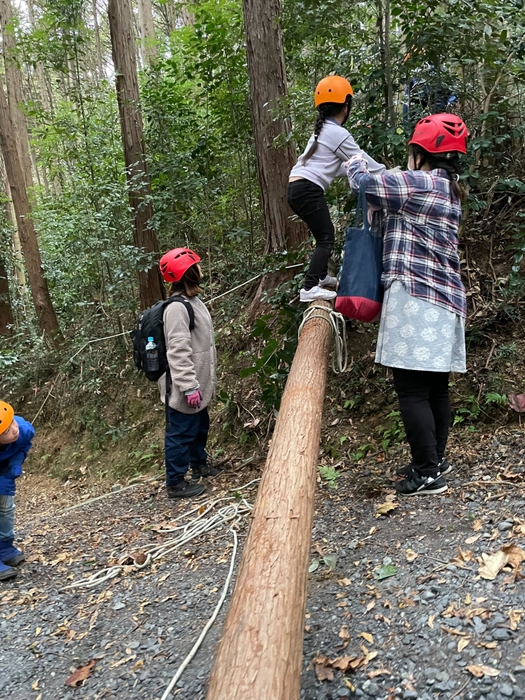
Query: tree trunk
point(383, 25)
point(260, 653)
point(268, 89)
point(6, 312)
point(39, 289)
point(13, 79)
point(148, 44)
point(98, 43)
point(15, 241)
point(151, 288)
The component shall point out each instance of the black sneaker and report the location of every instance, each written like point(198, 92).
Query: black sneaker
point(204, 470)
point(443, 466)
point(184, 489)
point(416, 485)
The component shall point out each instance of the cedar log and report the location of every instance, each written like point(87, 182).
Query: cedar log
point(259, 656)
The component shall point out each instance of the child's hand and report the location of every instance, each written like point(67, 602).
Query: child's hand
point(353, 160)
point(7, 486)
point(194, 400)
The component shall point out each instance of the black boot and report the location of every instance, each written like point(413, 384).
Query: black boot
point(184, 489)
point(204, 470)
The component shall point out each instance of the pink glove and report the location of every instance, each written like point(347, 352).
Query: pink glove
point(194, 400)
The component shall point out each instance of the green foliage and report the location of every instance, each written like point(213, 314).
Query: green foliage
point(330, 475)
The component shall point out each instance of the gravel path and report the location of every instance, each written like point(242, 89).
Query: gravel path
point(426, 630)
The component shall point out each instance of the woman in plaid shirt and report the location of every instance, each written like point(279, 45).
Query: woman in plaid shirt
point(422, 329)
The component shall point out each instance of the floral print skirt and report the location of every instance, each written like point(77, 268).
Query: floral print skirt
point(415, 334)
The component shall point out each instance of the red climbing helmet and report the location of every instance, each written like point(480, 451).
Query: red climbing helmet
point(174, 264)
point(441, 133)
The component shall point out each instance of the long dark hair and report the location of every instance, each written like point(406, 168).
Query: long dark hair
point(188, 284)
point(328, 109)
point(446, 161)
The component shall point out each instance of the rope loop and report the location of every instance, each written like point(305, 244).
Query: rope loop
point(337, 324)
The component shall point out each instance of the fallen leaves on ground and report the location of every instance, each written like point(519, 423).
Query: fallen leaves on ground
point(480, 671)
point(324, 666)
point(492, 564)
point(78, 677)
point(385, 508)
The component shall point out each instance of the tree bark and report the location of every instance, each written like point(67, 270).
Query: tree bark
point(37, 282)
point(260, 653)
point(98, 43)
point(268, 89)
point(151, 288)
point(15, 241)
point(13, 79)
point(6, 312)
point(148, 45)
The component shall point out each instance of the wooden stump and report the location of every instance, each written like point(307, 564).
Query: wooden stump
point(260, 654)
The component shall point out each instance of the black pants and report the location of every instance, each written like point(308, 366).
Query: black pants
point(425, 408)
point(307, 200)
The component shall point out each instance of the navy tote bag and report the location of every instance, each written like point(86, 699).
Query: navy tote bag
point(360, 292)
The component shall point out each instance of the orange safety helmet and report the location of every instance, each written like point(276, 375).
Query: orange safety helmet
point(333, 88)
point(6, 416)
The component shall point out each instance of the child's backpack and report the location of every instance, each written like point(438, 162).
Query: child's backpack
point(150, 324)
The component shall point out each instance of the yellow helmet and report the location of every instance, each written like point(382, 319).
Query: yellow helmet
point(333, 88)
point(6, 416)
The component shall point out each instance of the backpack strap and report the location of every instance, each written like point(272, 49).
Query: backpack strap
point(191, 315)
point(189, 307)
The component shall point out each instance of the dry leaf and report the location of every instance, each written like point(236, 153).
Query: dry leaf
point(492, 564)
point(480, 671)
point(462, 643)
point(385, 508)
point(79, 676)
point(515, 555)
point(324, 673)
point(410, 555)
point(34, 685)
point(370, 606)
point(366, 636)
point(343, 632)
point(379, 672)
point(515, 617)
point(522, 659)
point(471, 540)
point(487, 645)
point(477, 525)
point(344, 582)
point(468, 599)
point(343, 662)
point(431, 619)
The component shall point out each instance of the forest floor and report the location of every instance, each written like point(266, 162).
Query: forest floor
point(415, 598)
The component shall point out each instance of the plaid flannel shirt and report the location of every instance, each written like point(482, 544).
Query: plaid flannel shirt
point(420, 246)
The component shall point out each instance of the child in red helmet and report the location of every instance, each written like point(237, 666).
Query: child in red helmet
point(15, 442)
point(422, 329)
point(191, 383)
point(328, 148)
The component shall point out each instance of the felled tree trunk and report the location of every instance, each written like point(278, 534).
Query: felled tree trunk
point(260, 654)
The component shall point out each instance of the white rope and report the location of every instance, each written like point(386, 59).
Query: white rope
point(208, 624)
point(196, 527)
point(337, 324)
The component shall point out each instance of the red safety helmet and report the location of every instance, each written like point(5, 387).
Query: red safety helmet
point(174, 264)
point(441, 133)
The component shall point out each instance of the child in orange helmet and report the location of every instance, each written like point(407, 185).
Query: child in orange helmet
point(15, 442)
point(329, 147)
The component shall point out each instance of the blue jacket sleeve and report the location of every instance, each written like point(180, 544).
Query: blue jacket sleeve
point(16, 453)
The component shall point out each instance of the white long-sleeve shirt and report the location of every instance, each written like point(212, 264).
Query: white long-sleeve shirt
point(335, 146)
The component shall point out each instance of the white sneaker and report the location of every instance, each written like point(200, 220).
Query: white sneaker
point(329, 282)
point(316, 293)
